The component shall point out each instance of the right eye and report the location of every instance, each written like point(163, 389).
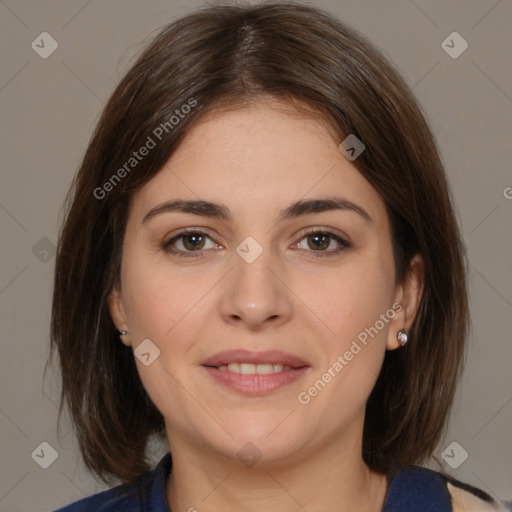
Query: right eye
point(187, 241)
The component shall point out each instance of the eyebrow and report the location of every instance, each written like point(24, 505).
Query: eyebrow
point(221, 211)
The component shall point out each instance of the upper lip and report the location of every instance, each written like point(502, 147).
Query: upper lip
point(246, 356)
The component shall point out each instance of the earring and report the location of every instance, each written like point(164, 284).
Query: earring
point(121, 332)
point(402, 336)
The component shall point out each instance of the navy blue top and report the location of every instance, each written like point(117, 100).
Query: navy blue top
point(411, 489)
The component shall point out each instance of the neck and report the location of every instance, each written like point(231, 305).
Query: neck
point(331, 476)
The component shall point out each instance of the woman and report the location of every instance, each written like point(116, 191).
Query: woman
point(260, 263)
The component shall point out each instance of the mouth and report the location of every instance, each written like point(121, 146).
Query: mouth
point(255, 373)
point(253, 369)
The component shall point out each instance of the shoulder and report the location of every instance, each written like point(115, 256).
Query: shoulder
point(418, 489)
point(466, 498)
point(123, 497)
point(147, 494)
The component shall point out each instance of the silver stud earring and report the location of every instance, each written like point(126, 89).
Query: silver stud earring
point(121, 332)
point(402, 336)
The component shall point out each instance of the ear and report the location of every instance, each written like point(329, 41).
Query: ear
point(117, 312)
point(408, 294)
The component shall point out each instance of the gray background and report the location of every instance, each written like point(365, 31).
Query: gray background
point(49, 108)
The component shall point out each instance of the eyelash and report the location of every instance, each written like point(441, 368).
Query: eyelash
point(168, 249)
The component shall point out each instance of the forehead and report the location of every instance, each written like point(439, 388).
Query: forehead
point(258, 160)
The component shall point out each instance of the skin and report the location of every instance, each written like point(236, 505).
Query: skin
point(257, 161)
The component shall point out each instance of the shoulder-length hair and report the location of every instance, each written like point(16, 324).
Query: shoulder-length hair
point(218, 58)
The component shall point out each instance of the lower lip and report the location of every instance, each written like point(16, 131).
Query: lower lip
point(256, 385)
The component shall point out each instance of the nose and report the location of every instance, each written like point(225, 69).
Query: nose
point(255, 294)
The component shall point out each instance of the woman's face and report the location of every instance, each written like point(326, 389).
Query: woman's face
point(260, 277)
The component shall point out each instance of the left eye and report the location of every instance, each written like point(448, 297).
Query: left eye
point(319, 241)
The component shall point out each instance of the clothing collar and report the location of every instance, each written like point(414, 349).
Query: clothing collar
point(411, 489)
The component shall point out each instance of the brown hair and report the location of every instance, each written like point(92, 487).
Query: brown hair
point(219, 57)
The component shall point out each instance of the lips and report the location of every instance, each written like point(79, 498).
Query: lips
point(273, 357)
point(248, 373)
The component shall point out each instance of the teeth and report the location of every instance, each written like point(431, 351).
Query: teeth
point(251, 369)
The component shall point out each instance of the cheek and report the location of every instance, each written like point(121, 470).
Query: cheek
point(167, 306)
point(355, 305)
point(352, 298)
point(156, 299)
point(160, 307)
point(350, 303)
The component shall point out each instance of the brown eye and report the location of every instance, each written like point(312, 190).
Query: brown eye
point(187, 242)
point(319, 241)
point(194, 241)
